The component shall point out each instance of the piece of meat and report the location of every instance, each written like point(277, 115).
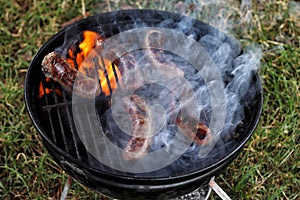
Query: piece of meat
point(194, 130)
point(141, 136)
point(154, 42)
point(57, 68)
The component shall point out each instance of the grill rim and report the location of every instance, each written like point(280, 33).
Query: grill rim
point(35, 120)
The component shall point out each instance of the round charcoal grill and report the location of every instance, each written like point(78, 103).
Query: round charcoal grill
point(52, 113)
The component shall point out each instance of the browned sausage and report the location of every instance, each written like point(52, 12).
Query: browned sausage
point(196, 131)
point(141, 138)
point(154, 41)
point(57, 67)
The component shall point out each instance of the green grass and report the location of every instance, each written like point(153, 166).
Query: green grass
point(267, 168)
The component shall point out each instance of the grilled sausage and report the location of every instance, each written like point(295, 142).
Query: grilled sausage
point(141, 138)
point(56, 67)
point(196, 131)
point(154, 41)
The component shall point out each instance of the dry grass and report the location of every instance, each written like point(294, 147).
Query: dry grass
point(268, 167)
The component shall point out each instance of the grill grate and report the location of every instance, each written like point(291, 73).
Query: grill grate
point(65, 135)
point(61, 123)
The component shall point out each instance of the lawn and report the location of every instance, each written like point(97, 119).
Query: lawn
point(267, 168)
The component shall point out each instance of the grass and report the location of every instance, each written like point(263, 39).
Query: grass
point(267, 168)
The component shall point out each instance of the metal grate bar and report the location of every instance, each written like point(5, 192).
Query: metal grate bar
point(70, 120)
point(80, 126)
point(75, 51)
point(106, 75)
point(98, 100)
point(75, 63)
point(59, 118)
point(48, 110)
point(91, 128)
point(96, 145)
point(97, 67)
point(116, 75)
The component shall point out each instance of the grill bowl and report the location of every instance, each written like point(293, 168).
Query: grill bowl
point(76, 160)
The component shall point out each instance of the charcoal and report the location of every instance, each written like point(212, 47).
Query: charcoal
point(210, 43)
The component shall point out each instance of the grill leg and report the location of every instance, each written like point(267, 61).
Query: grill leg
point(66, 189)
point(218, 190)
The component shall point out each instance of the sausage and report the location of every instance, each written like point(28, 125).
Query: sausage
point(57, 67)
point(154, 41)
point(196, 131)
point(141, 138)
point(125, 61)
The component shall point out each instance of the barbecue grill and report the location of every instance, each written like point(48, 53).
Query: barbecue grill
point(52, 109)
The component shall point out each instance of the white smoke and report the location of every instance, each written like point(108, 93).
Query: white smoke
point(235, 67)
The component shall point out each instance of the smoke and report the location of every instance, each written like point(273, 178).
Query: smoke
point(235, 70)
point(234, 66)
point(243, 66)
point(229, 16)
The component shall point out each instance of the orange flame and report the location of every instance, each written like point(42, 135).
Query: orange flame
point(85, 61)
point(111, 77)
point(90, 39)
point(84, 58)
point(45, 90)
point(42, 92)
point(89, 42)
